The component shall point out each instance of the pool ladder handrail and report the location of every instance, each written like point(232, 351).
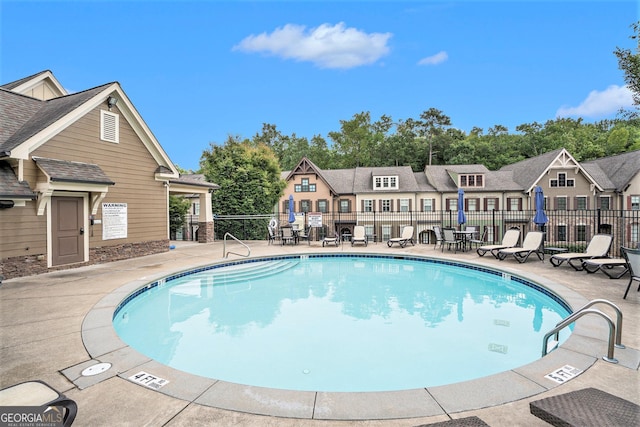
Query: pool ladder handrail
point(615, 330)
point(225, 253)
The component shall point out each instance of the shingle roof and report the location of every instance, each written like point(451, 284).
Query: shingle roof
point(10, 187)
point(527, 172)
point(66, 171)
point(196, 179)
point(341, 180)
point(25, 117)
point(363, 178)
point(12, 85)
point(421, 181)
point(618, 169)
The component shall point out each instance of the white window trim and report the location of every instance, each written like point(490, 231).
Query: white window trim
point(378, 182)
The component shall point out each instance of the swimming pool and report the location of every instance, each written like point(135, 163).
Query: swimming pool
point(322, 323)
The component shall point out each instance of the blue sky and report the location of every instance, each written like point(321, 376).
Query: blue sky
point(202, 70)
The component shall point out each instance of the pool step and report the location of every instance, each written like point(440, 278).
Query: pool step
point(249, 271)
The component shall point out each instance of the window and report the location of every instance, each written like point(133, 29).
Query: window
point(491, 204)
point(305, 205)
point(581, 203)
point(514, 204)
point(385, 205)
point(322, 206)
point(385, 182)
point(196, 208)
point(562, 181)
point(404, 205)
point(368, 231)
point(367, 206)
point(471, 180)
point(304, 186)
point(472, 204)
point(561, 233)
point(561, 203)
point(581, 233)
point(345, 206)
point(427, 205)
point(605, 203)
point(635, 203)
point(635, 231)
point(452, 204)
point(109, 127)
point(386, 232)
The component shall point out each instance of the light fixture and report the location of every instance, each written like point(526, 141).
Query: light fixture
point(111, 102)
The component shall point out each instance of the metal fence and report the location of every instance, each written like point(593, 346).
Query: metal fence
point(567, 229)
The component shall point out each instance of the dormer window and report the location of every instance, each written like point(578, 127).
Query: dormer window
point(385, 182)
point(471, 180)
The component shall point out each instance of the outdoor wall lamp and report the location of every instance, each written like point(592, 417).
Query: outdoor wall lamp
point(111, 102)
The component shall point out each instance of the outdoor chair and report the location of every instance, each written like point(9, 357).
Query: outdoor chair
point(286, 234)
point(331, 240)
point(532, 244)
point(598, 248)
point(305, 235)
point(438, 233)
point(449, 238)
point(633, 264)
point(509, 240)
point(479, 241)
point(39, 394)
point(615, 268)
point(406, 237)
point(272, 235)
point(359, 235)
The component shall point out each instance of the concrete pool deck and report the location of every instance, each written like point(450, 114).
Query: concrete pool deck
point(54, 325)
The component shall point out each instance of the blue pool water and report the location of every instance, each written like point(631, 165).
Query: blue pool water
point(340, 323)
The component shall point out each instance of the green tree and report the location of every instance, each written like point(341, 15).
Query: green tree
point(249, 179)
point(178, 209)
point(629, 63)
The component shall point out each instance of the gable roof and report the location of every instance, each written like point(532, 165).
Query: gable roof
point(25, 84)
point(363, 179)
point(307, 167)
point(442, 178)
point(615, 172)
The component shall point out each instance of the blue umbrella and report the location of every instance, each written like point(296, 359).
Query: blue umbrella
point(461, 217)
point(540, 218)
point(292, 215)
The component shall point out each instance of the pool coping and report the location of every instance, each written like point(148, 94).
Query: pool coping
point(581, 350)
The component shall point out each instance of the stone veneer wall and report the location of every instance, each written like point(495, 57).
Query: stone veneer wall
point(205, 232)
point(37, 264)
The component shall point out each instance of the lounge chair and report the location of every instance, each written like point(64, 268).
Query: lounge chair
point(532, 244)
point(405, 237)
point(598, 248)
point(449, 238)
point(438, 232)
point(608, 266)
point(359, 235)
point(509, 240)
point(331, 240)
point(633, 263)
point(39, 394)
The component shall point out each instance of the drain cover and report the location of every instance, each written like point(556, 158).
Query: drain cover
point(96, 369)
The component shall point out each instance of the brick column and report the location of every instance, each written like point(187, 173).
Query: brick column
point(205, 232)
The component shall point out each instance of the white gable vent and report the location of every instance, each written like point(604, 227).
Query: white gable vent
point(109, 129)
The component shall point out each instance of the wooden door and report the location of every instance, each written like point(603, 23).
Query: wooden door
point(67, 230)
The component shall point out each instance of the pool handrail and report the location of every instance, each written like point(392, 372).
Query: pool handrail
point(225, 254)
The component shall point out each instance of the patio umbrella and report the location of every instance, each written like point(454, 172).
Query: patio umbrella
point(292, 215)
point(540, 217)
point(461, 217)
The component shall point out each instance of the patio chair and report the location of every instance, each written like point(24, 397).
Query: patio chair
point(438, 233)
point(598, 247)
point(286, 234)
point(331, 240)
point(305, 235)
point(272, 235)
point(405, 237)
point(532, 244)
point(449, 238)
point(633, 264)
point(608, 266)
point(509, 240)
point(479, 241)
point(359, 235)
point(39, 394)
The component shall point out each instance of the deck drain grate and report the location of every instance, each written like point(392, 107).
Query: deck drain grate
point(96, 369)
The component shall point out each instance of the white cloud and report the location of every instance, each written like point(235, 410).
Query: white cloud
point(600, 104)
point(436, 59)
point(326, 46)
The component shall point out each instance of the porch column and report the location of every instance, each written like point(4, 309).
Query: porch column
point(205, 219)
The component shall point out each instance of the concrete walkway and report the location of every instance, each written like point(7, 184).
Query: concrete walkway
point(41, 324)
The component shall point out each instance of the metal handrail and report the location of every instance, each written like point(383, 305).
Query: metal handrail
point(618, 317)
point(225, 254)
point(575, 316)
